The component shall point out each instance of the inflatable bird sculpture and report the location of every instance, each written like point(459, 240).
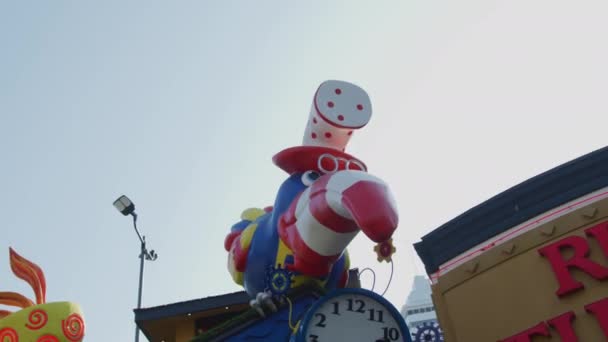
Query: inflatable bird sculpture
point(326, 200)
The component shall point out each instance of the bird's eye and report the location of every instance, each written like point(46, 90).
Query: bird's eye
point(310, 177)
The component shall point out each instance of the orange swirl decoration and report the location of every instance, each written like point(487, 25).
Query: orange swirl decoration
point(8, 335)
point(36, 320)
point(73, 327)
point(31, 273)
point(47, 338)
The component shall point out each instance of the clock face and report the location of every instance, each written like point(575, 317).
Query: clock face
point(354, 316)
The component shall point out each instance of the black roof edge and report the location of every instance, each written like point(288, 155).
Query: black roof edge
point(223, 331)
point(190, 306)
point(514, 206)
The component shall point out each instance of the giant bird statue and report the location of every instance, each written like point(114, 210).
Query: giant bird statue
point(326, 200)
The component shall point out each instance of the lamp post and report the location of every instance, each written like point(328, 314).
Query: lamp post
point(126, 207)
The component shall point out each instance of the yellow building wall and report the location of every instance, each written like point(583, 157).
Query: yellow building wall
point(511, 287)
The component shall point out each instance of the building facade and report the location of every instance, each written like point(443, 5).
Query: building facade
point(530, 264)
point(419, 313)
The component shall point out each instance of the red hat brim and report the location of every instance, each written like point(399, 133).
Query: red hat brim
point(304, 158)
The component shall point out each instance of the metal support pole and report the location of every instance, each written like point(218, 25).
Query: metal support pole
point(141, 281)
point(126, 207)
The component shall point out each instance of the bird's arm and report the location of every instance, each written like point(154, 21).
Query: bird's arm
point(237, 242)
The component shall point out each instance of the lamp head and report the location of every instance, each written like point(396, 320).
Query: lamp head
point(124, 205)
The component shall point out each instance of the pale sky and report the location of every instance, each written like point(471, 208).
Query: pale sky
point(181, 106)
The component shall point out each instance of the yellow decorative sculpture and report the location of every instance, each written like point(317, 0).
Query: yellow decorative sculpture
point(39, 321)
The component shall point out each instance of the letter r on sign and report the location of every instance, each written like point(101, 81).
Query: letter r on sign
point(561, 266)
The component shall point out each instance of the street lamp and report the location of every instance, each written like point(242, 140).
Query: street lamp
point(126, 207)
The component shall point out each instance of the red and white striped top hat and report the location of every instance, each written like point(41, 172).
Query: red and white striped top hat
point(338, 109)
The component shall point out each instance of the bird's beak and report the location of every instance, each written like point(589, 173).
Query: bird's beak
point(373, 208)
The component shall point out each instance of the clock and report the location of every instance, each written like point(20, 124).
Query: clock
point(352, 315)
point(427, 332)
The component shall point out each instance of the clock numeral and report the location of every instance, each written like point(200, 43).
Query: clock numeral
point(372, 315)
point(321, 322)
point(313, 338)
point(336, 308)
point(359, 309)
point(390, 334)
